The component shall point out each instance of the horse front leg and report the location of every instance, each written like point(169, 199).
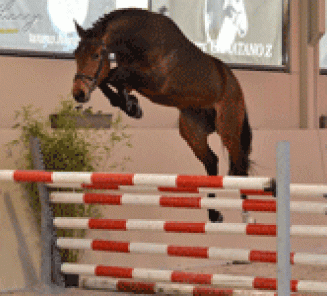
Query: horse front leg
point(126, 102)
point(114, 98)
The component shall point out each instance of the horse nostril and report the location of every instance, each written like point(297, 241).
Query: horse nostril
point(80, 97)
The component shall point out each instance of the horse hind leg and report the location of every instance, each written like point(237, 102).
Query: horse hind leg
point(195, 125)
point(234, 129)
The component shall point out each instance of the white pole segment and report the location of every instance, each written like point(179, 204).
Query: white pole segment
point(311, 190)
point(152, 274)
point(71, 177)
point(211, 203)
point(229, 254)
point(74, 243)
point(57, 197)
point(174, 289)
point(147, 248)
point(232, 281)
point(312, 259)
point(74, 268)
point(141, 199)
point(309, 230)
point(233, 228)
point(246, 182)
point(309, 207)
point(80, 223)
point(155, 180)
point(7, 175)
point(309, 286)
point(145, 225)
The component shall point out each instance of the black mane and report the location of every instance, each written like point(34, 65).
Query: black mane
point(98, 29)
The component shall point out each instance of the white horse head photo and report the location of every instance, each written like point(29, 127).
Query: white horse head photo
point(237, 14)
point(232, 22)
point(144, 4)
point(62, 13)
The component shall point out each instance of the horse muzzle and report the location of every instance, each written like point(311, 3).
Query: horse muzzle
point(81, 97)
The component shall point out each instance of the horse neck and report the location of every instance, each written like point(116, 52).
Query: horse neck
point(122, 28)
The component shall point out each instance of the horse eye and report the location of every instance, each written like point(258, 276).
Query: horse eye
point(95, 56)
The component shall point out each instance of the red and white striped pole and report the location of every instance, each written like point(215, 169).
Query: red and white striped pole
point(153, 189)
point(186, 227)
point(254, 205)
point(256, 185)
point(161, 180)
point(298, 190)
point(169, 289)
point(185, 251)
point(220, 280)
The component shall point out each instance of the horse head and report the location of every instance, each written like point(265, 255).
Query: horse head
point(236, 11)
point(93, 64)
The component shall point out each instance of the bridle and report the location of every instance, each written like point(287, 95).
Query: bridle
point(104, 55)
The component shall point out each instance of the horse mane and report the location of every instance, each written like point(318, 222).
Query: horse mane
point(98, 29)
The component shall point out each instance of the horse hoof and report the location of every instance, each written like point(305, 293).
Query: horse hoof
point(133, 109)
point(138, 113)
point(215, 216)
point(134, 112)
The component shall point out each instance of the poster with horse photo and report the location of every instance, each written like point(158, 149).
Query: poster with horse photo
point(47, 26)
point(236, 31)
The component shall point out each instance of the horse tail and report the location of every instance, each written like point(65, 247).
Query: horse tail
point(246, 144)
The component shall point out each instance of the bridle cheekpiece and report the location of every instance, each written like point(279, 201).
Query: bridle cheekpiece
point(104, 55)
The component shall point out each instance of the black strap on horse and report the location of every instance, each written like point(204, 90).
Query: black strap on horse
point(104, 55)
point(130, 106)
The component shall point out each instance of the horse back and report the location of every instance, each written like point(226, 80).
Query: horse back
point(177, 73)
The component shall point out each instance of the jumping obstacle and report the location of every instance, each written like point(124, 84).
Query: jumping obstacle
point(296, 190)
point(220, 280)
point(139, 189)
point(182, 281)
point(186, 227)
point(185, 251)
point(160, 180)
point(170, 289)
point(253, 205)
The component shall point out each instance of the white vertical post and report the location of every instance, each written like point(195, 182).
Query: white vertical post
point(283, 218)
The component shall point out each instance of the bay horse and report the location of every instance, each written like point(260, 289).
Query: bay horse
point(158, 61)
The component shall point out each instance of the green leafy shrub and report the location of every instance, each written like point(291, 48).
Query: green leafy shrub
point(66, 148)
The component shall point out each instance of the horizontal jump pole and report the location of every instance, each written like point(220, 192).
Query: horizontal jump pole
point(186, 227)
point(185, 251)
point(146, 189)
point(254, 205)
point(298, 190)
point(222, 280)
point(164, 180)
point(119, 285)
point(204, 190)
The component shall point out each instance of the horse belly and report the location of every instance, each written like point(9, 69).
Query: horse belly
point(191, 84)
point(158, 98)
point(200, 87)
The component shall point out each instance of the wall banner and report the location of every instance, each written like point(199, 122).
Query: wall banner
point(236, 31)
point(47, 25)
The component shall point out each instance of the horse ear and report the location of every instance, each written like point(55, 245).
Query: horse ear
point(79, 29)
